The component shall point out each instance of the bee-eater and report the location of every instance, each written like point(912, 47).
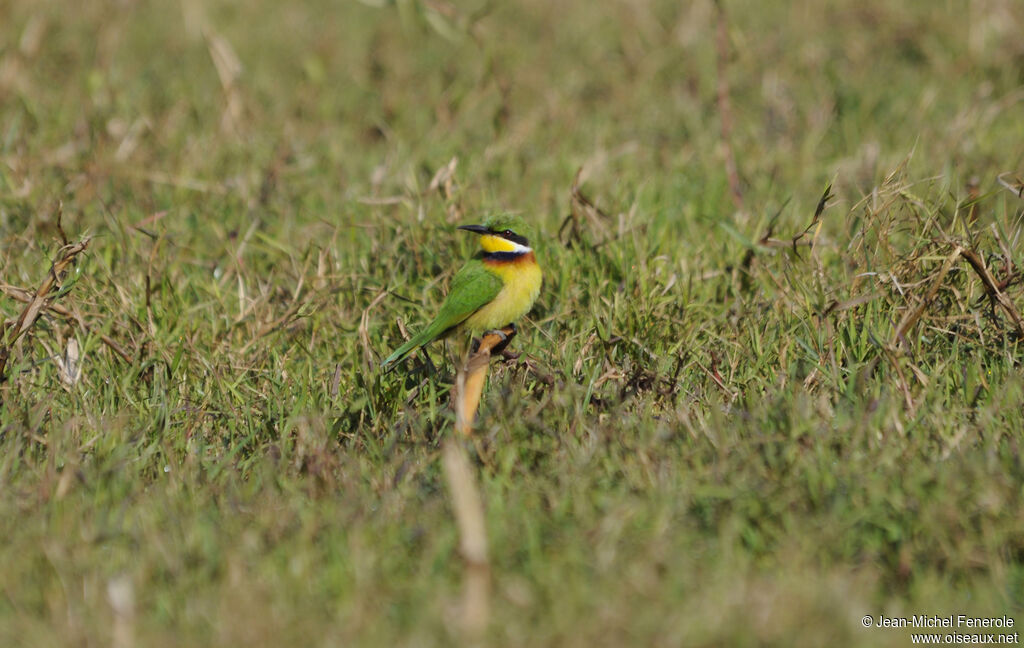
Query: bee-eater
point(494, 289)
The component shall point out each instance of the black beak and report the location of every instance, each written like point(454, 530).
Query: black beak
point(476, 229)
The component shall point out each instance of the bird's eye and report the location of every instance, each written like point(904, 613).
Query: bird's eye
point(508, 233)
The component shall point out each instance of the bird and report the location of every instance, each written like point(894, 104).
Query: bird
point(496, 287)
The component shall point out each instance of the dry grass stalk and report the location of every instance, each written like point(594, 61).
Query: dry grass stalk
point(121, 597)
point(26, 296)
point(229, 70)
point(69, 365)
point(725, 107)
point(1014, 184)
point(11, 332)
point(364, 329)
point(911, 318)
point(583, 210)
point(992, 288)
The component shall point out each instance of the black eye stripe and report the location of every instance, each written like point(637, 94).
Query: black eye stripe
point(509, 235)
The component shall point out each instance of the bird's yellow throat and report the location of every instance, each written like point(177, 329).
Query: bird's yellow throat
point(522, 278)
point(491, 243)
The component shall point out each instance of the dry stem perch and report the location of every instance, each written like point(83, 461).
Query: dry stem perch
point(474, 610)
point(467, 504)
point(469, 383)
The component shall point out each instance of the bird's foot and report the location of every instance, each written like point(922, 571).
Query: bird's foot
point(502, 334)
point(506, 334)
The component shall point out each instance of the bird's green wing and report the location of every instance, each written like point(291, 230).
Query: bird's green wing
point(472, 287)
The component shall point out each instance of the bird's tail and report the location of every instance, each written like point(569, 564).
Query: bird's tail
point(424, 337)
point(400, 352)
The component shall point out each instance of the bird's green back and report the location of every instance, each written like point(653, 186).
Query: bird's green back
point(472, 287)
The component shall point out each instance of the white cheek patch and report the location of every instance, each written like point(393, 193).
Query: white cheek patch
point(519, 249)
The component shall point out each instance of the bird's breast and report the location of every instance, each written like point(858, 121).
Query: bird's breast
point(521, 279)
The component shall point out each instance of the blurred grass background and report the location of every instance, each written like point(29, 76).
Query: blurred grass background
point(712, 436)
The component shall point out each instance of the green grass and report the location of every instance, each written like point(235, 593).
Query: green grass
point(708, 439)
